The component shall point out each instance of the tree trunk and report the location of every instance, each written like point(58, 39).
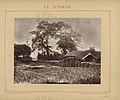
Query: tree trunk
point(48, 55)
point(64, 51)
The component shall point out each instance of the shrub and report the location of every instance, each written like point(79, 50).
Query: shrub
point(25, 59)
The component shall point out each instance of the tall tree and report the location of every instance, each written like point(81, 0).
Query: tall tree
point(68, 39)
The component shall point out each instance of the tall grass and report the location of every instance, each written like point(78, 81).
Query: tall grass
point(57, 75)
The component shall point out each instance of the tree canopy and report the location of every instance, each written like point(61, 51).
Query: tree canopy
point(68, 38)
point(23, 50)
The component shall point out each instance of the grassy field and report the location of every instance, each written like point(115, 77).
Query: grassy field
point(47, 74)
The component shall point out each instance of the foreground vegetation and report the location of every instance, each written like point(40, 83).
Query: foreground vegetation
point(47, 74)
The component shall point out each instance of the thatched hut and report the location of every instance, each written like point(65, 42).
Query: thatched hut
point(74, 58)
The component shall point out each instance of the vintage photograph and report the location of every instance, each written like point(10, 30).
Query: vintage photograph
point(57, 50)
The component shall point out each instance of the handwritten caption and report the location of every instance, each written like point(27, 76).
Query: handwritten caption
point(44, 15)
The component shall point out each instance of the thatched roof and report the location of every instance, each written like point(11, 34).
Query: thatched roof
point(76, 53)
point(81, 54)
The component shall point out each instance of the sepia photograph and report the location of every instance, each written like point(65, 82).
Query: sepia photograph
point(60, 50)
point(57, 50)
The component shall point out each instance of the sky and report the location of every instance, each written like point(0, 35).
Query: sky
point(89, 28)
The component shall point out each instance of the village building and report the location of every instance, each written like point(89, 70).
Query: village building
point(76, 58)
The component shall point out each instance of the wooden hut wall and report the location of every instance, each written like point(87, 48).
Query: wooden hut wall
point(89, 58)
point(71, 62)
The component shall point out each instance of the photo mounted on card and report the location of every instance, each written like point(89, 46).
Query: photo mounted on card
point(58, 51)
